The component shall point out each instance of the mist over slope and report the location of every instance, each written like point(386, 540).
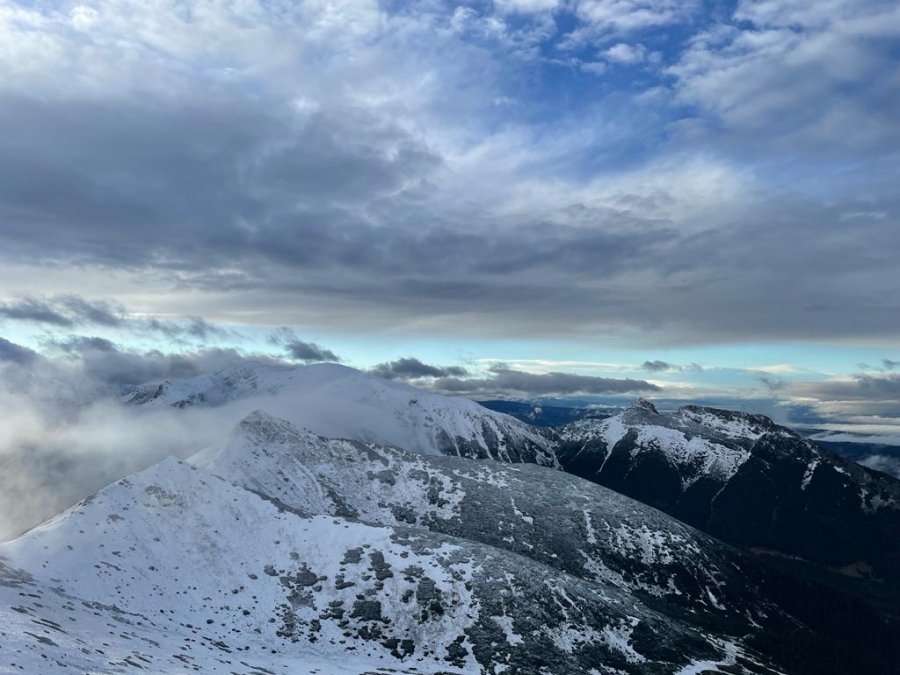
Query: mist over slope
point(336, 401)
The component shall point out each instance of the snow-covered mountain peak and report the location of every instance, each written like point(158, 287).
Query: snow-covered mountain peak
point(339, 402)
point(730, 423)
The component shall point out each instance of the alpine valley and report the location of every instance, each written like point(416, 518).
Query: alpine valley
point(354, 525)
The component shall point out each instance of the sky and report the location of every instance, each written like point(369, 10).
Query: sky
point(594, 199)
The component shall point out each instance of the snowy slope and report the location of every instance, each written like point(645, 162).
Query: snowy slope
point(697, 442)
point(340, 402)
point(177, 570)
point(554, 518)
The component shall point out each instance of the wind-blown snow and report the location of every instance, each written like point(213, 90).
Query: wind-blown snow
point(340, 402)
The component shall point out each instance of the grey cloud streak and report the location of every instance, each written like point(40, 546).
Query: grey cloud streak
point(104, 365)
point(195, 328)
point(298, 350)
point(63, 311)
point(508, 382)
point(863, 387)
point(11, 352)
point(658, 366)
point(410, 368)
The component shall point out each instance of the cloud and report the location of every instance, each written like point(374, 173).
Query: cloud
point(35, 311)
point(308, 352)
point(527, 6)
point(10, 351)
point(65, 434)
point(625, 54)
point(195, 327)
point(772, 384)
point(620, 17)
point(70, 311)
point(411, 368)
point(865, 404)
point(396, 193)
point(63, 437)
point(63, 311)
point(884, 463)
point(780, 69)
point(658, 366)
point(890, 364)
point(511, 383)
point(108, 367)
point(884, 387)
point(78, 344)
point(595, 67)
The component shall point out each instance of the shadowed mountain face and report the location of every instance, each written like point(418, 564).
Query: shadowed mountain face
point(543, 415)
point(746, 480)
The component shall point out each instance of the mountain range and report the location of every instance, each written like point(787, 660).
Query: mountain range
point(355, 525)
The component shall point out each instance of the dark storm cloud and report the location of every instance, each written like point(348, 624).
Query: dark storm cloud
point(35, 311)
point(658, 366)
point(63, 311)
point(411, 368)
point(508, 382)
point(176, 185)
point(76, 344)
point(11, 352)
point(106, 364)
point(298, 350)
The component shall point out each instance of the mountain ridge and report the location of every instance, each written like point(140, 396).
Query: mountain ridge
point(193, 570)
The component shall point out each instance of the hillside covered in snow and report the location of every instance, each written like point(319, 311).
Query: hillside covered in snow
point(340, 558)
